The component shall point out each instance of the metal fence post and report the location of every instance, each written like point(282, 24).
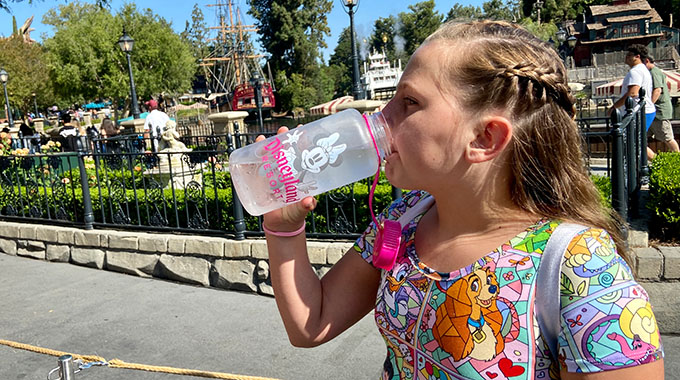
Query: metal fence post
point(88, 215)
point(644, 167)
point(396, 193)
point(619, 196)
point(239, 221)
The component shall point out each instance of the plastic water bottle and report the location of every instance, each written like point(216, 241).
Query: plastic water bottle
point(312, 159)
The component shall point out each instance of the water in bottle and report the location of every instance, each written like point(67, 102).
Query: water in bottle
point(317, 157)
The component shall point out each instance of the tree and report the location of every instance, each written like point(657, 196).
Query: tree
point(341, 64)
point(196, 33)
point(293, 32)
point(86, 62)
point(417, 24)
point(464, 12)
point(667, 8)
point(27, 67)
point(544, 31)
point(497, 10)
point(382, 37)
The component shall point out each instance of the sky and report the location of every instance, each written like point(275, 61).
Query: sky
point(178, 12)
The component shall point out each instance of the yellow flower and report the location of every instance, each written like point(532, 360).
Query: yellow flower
point(138, 168)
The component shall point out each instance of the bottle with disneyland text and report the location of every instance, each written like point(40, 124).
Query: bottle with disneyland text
point(312, 159)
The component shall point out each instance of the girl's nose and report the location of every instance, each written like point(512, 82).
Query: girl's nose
point(388, 113)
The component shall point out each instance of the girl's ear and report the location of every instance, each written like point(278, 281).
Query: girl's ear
point(493, 135)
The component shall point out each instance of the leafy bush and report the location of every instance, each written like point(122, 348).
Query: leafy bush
point(604, 186)
point(664, 196)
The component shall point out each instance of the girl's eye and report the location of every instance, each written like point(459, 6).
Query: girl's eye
point(409, 101)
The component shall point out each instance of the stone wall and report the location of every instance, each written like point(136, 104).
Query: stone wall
point(244, 265)
point(198, 260)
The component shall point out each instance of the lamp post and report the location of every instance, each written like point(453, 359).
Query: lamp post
point(356, 85)
point(256, 82)
point(566, 48)
point(35, 104)
point(4, 77)
point(538, 5)
point(126, 43)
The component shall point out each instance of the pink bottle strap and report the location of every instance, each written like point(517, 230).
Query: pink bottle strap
point(377, 173)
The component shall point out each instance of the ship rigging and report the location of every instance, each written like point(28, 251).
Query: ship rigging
point(232, 63)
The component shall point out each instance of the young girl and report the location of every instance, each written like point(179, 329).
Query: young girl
point(482, 124)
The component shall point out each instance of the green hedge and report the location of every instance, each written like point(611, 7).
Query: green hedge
point(218, 203)
point(664, 196)
point(604, 186)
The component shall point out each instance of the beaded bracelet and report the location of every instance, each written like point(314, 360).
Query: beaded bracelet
point(285, 234)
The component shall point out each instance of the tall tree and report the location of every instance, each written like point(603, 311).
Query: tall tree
point(87, 63)
point(196, 33)
point(28, 73)
point(382, 38)
point(464, 12)
point(498, 10)
point(418, 23)
point(293, 32)
point(341, 61)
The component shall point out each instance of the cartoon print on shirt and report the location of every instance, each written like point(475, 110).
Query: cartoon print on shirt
point(424, 315)
point(469, 323)
point(399, 310)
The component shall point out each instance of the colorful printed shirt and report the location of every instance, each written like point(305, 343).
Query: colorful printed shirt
point(479, 322)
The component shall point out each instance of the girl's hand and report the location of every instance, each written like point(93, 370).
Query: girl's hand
point(291, 217)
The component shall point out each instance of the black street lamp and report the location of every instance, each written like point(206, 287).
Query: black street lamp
point(566, 48)
point(256, 81)
point(356, 84)
point(4, 77)
point(35, 104)
point(126, 43)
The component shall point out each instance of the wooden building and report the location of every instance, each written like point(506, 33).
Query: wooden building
point(612, 28)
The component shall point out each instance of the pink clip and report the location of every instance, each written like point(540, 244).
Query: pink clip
point(386, 247)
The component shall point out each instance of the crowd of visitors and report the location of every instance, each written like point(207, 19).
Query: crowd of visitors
point(74, 127)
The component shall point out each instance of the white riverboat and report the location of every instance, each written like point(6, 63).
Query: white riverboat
point(380, 79)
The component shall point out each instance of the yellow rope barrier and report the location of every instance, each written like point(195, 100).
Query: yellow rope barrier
point(117, 363)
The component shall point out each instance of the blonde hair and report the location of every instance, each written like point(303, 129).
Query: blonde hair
point(507, 68)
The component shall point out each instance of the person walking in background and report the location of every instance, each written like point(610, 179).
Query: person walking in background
point(489, 141)
point(154, 124)
point(638, 77)
point(108, 132)
point(68, 133)
point(661, 128)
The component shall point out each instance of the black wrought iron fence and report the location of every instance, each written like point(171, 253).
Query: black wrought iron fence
point(122, 182)
point(125, 185)
point(619, 144)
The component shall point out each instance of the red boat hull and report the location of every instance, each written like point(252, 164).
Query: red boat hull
point(244, 97)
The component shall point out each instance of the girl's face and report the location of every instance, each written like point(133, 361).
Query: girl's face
point(430, 131)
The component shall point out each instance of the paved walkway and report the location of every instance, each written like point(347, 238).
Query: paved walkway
point(156, 322)
point(151, 321)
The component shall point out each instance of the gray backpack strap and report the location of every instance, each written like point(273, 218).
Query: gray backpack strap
point(416, 210)
point(548, 283)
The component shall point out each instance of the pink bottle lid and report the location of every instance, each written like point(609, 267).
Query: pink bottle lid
point(386, 246)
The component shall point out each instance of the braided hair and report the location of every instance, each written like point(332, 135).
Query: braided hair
point(507, 69)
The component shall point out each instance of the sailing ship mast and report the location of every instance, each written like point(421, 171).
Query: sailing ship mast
point(231, 64)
